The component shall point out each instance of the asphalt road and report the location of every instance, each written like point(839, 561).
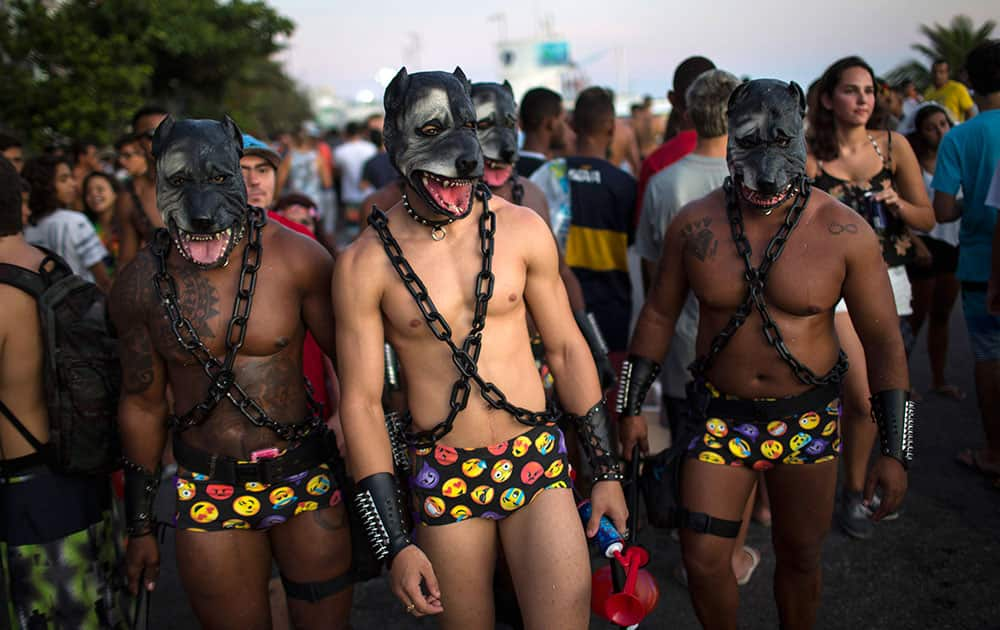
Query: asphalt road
point(935, 567)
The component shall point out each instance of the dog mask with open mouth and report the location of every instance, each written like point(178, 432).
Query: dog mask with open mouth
point(430, 136)
point(199, 187)
point(766, 151)
point(496, 126)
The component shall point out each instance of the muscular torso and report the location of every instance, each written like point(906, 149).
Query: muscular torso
point(21, 356)
point(448, 268)
point(269, 364)
point(802, 289)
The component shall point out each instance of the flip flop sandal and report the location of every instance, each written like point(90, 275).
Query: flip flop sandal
point(754, 563)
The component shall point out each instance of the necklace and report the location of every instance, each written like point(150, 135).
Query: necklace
point(437, 227)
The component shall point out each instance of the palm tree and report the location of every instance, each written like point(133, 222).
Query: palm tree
point(951, 43)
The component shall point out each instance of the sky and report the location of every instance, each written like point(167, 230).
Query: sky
point(628, 45)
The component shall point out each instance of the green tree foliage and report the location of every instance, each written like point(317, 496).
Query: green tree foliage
point(951, 43)
point(79, 68)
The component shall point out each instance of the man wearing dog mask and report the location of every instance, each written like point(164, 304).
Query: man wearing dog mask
point(217, 307)
point(423, 277)
point(496, 126)
point(768, 259)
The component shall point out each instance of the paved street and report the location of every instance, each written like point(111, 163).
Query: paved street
point(935, 567)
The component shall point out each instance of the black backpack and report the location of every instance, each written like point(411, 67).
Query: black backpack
point(81, 373)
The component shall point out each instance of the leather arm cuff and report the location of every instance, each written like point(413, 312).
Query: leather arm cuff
point(380, 505)
point(637, 376)
point(392, 382)
point(895, 415)
point(397, 442)
point(140, 496)
point(595, 438)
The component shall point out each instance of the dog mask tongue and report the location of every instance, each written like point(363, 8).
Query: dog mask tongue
point(206, 252)
point(766, 151)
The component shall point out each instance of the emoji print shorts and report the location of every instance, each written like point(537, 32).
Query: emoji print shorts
point(809, 436)
point(450, 484)
point(206, 506)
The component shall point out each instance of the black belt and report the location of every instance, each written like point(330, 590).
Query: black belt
point(767, 410)
point(306, 455)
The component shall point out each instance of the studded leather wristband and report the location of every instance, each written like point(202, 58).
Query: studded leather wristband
point(381, 508)
point(141, 485)
point(636, 377)
point(595, 438)
point(895, 415)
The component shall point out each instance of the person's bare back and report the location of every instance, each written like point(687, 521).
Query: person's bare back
point(21, 354)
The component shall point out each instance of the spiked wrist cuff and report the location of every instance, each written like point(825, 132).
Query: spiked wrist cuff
point(140, 495)
point(595, 438)
point(895, 414)
point(397, 442)
point(637, 376)
point(381, 508)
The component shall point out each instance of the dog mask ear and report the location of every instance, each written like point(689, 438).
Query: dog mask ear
point(234, 131)
point(395, 90)
point(794, 88)
point(466, 84)
point(161, 134)
point(737, 93)
point(506, 86)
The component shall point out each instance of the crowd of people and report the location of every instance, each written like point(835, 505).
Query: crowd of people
point(791, 242)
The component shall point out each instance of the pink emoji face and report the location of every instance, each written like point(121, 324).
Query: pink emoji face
point(498, 449)
point(531, 472)
point(445, 455)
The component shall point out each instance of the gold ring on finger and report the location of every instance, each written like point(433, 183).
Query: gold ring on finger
point(410, 608)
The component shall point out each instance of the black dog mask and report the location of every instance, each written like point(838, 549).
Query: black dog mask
point(496, 126)
point(430, 136)
point(199, 187)
point(766, 151)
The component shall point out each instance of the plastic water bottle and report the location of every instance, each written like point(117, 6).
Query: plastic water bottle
point(608, 539)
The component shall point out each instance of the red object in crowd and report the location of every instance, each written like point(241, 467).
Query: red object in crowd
point(667, 153)
point(637, 599)
point(312, 356)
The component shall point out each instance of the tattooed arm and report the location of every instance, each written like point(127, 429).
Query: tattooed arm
point(142, 410)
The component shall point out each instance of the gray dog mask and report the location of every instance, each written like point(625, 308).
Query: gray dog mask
point(199, 187)
point(496, 125)
point(430, 136)
point(766, 151)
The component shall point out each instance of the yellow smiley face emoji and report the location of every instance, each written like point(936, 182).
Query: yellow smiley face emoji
point(280, 497)
point(235, 523)
point(793, 458)
point(825, 458)
point(253, 486)
point(185, 490)
point(799, 441)
point(772, 449)
point(809, 420)
point(777, 428)
point(520, 446)
point(454, 487)
point(554, 486)
point(545, 442)
point(318, 485)
point(834, 406)
point(472, 468)
point(246, 505)
point(306, 506)
point(829, 428)
point(501, 470)
point(739, 447)
point(711, 458)
point(711, 442)
point(482, 495)
point(434, 507)
point(460, 513)
point(512, 498)
point(555, 469)
point(716, 427)
point(204, 512)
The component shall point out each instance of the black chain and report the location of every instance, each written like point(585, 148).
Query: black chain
point(220, 374)
point(757, 280)
point(465, 357)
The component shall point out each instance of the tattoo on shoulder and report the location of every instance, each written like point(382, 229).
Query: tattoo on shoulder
point(699, 238)
point(841, 228)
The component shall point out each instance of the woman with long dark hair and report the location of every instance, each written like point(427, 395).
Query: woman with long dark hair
point(876, 174)
point(65, 232)
point(100, 192)
point(935, 286)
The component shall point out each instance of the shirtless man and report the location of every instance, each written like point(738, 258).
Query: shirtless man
point(759, 408)
point(449, 237)
point(40, 553)
point(136, 210)
point(260, 477)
